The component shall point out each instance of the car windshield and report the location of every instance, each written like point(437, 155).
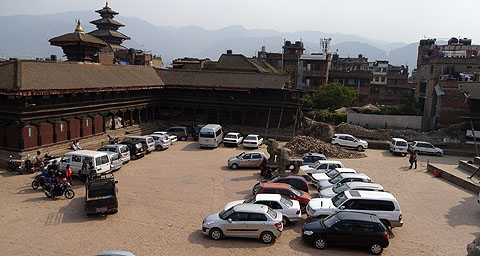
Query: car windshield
point(336, 179)
point(207, 134)
point(332, 173)
point(286, 202)
point(315, 165)
point(230, 136)
point(251, 138)
point(274, 179)
point(225, 213)
point(272, 213)
point(329, 221)
point(249, 200)
point(341, 188)
point(296, 191)
point(339, 199)
point(103, 149)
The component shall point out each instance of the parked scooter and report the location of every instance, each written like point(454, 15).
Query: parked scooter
point(19, 166)
point(63, 188)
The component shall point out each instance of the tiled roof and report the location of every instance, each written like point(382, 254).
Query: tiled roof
point(77, 38)
point(107, 21)
point(107, 33)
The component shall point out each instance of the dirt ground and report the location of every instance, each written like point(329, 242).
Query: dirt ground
point(164, 197)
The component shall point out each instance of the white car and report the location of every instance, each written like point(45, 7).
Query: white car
point(161, 141)
point(290, 209)
point(342, 178)
point(317, 177)
point(173, 138)
point(321, 166)
point(347, 140)
point(333, 191)
point(252, 141)
point(398, 145)
point(233, 139)
point(382, 204)
point(422, 147)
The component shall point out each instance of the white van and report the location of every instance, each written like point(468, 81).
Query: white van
point(145, 140)
point(398, 145)
point(210, 136)
point(75, 159)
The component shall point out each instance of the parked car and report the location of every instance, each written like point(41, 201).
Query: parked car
point(347, 140)
point(321, 166)
point(317, 177)
point(118, 148)
point(252, 141)
point(422, 147)
point(161, 141)
point(347, 229)
point(147, 142)
point(101, 195)
point(295, 181)
point(382, 204)
point(75, 159)
point(196, 131)
point(136, 149)
point(244, 220)
point(233, 139)
point(115, 162)
point(246, 159)
point(311, 158)
point(398, 146)
point(290, 209)
point(286, 190)
point(179, 131)
point(172, 138)
point(211, 135)
point(355, 185)
point(342, 178)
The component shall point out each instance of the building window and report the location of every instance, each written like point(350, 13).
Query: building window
point(61, 127)
point(383, 79)
point(87, 122)
point(30, 132)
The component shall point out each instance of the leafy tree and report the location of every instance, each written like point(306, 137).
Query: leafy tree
point(331, 96)
point(408, 104)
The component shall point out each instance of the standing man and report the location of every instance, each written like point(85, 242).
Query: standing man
point(413, 159)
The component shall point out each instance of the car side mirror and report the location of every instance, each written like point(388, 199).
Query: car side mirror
point(342, 207)
point(229, 220)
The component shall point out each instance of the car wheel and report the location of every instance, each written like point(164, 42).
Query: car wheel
point(360, 148)
point(320, 243)
point(284, 221)
point(234, 166)
point(216, 234)
point(438, 154)
point(184, 138)
point(267, 237)
point(159, 148)
point(376, 248)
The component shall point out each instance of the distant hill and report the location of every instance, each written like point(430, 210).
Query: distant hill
point(26, 36)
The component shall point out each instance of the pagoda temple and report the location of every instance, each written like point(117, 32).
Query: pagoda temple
point(107, 29)
point(78, 46)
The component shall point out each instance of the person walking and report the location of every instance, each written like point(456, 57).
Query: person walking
point(413, 159)
point(68, 172)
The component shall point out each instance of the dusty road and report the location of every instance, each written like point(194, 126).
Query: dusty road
point(164, 197)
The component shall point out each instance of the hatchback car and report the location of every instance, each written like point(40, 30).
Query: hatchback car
point(342, 178)
point(115, 162)
point(287, 191)
point(233, 139)
point(347, 228)
point(422, 147)
point(118, 148)
point(311, 158)
point(250, 159)
point(252, 141)
point(290, 209)
point(161, 141)
point(317, 177)
point(333, 191)
point(172, 138)
point(347, 140)
point(295, 181)
point(179, 131)
point(136, 149)
point(244, 220)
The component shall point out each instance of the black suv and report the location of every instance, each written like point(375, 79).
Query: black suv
point(347, 228)
point(297, 182)
point(196, 131)
point(101, 195)
point(136, 149)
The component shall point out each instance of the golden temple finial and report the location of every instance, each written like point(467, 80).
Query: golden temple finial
point(79, 28)
point(106, 4)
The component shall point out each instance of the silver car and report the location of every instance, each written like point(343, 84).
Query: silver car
point(246, 159)
point(244, 220)
point(161, 141)
point(115, 161)
point(121, 149)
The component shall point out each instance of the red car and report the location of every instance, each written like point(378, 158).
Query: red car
point(287, 191)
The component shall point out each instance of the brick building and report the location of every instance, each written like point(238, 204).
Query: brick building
point(440, 68)
point(313, 71)
point(287, 61)
point(388, 83)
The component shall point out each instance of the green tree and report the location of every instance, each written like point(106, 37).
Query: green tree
point(331, 96)
point(408, 104)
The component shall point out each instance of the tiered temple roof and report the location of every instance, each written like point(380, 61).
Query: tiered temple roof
point(107, 28)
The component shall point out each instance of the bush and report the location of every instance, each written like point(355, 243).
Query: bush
point(324, 115)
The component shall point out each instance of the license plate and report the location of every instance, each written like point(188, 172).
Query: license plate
point(102, 209)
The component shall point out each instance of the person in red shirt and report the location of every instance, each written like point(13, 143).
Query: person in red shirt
point(68, 172)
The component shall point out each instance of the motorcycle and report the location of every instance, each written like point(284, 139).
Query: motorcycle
point(112, 141)
point(17, 166)
point(63, 188)
point(40, 180)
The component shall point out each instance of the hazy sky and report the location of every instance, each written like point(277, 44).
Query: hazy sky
point(388, 20)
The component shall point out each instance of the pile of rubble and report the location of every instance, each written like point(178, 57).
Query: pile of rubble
point(319, 130)
point(358, 131)
point(300, 145)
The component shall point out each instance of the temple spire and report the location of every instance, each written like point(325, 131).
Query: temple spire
point(106, 5)
point(79, 28)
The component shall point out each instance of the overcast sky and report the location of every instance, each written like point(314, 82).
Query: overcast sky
point(388, 20)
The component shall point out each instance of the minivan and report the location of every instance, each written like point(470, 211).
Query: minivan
point(118, 148)
point(145, 140)
point(179, 131)
point(75, 159)
point(211, 135)
point(398, 145)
